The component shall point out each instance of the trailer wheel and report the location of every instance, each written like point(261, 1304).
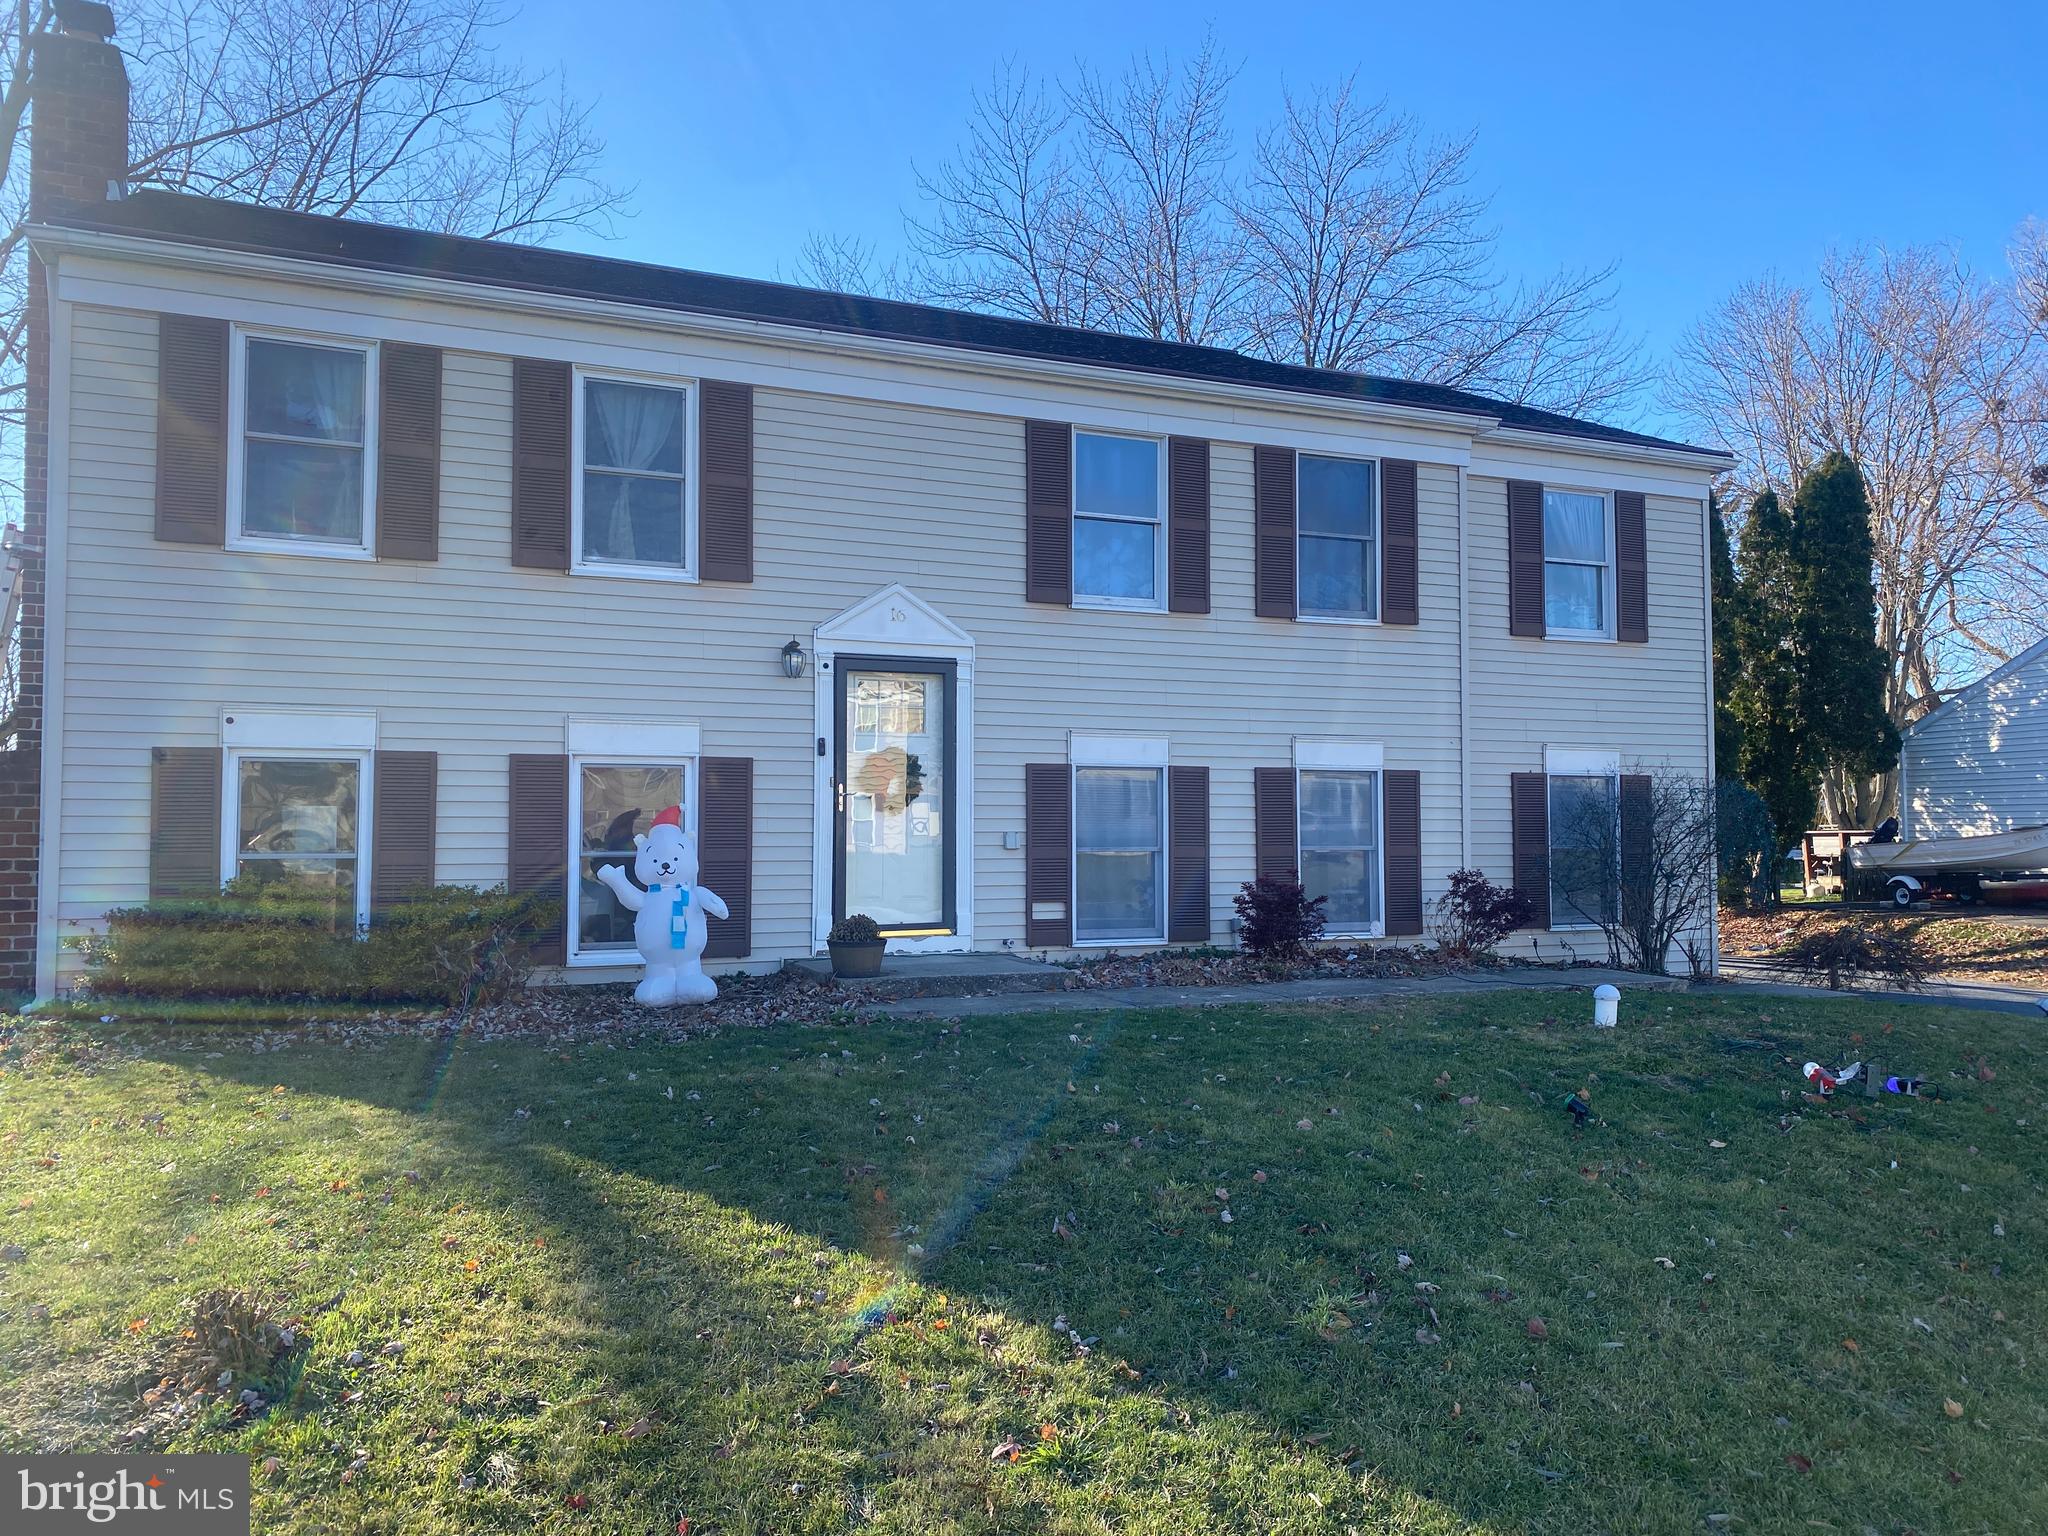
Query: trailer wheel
point(1902, 896)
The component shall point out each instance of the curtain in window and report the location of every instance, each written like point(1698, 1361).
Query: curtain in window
point(634, 512)
point(304, 417)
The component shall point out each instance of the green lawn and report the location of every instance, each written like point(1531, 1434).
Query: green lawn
point(830, 1269)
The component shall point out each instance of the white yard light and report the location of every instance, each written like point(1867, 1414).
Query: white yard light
point(1606, 1007)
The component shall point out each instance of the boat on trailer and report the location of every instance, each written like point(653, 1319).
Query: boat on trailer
point(1953, 866)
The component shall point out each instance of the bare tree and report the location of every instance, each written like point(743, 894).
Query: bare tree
point(1347, 240)
point(394, 110)
point(1365, 249)
point(1642, 874)
point(1935, 382)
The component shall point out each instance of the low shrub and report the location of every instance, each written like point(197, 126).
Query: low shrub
point(274, 941)
point(1841, 955)
point(1277, 919)
point(855, 928)
point(1474, 914)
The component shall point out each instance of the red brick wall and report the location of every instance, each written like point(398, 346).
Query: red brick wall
point(78, 143)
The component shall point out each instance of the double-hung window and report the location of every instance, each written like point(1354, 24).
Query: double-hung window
point(609, 802)
point(303, 419)
point(295, 818)
point(1578, 564)
point(634, 502)
point(1337, 549)
point(1119, 496)
point(1339, 832)
point(1585, 849)
point(1119, 855)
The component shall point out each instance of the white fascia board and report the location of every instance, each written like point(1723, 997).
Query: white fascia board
point(313, 730)
point(1581, 761)
point(1517, 455)
point(595, 736)
point(1116, 751)
point(105, 282)
point(1352, 756)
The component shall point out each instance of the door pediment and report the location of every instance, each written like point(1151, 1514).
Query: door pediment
point(896, 621)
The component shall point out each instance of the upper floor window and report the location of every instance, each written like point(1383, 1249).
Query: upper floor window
point(303, 474)
point(1119, 494)
point(1336, 523)
point(1578, 564)
point(633, 504)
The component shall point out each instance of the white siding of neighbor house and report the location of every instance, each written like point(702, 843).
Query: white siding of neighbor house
point(476, 660)
point(1648, 703)
point(1980, 763)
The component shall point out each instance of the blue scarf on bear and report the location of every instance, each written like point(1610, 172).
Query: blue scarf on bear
point(678, 897)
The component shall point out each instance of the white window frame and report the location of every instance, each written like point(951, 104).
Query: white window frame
point(1076, 766)
point(1157, 602)
point(1605, 633)
point(578, 761)
point(1376, 545)
point(365, 758)
point(1319, 756)
point(1578, 766)
point(693, 398)
point(239, 337)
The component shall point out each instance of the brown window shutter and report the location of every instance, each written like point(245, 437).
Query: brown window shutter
point(1636, 872)
point(191, 430)
point(1631, 568)
point(1401, 791)
point(539, 836)
point(1187, 527)
point(1276, 842)
point(1530, 794)
point(404, 790)
point(725, 502)
point(1187, 855)
point(1048, 855)
point(184, 821)
point(1525, 559)
point(408, 452)
point(1273, 549)
point(1048, 512)
point(540, 464)
point(725, 852)
point(1400, 541)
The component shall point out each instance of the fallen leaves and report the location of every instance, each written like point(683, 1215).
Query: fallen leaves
point(1537, 1328)
point(1951, 1407)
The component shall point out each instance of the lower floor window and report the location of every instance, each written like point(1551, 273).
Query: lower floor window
point(1340, 847)
point(613, 801)
point(1584, 837)
point(1119, 855)
point(297, 820)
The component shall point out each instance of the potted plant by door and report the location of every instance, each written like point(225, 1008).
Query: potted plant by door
point(856, 943)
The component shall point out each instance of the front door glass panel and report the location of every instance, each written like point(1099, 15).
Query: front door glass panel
point(893, 822)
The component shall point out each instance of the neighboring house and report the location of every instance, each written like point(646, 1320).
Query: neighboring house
point(1979, 761)
point(382, 557)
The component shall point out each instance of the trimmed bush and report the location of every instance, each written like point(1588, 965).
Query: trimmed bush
point(1474, 914)
point(274, 941)
point(1277, 919)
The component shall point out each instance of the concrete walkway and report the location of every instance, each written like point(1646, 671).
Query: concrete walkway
point(1104, 999)
point(1738, 981)
point(1769, 980)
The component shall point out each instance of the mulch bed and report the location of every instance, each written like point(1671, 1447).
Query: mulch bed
point(1967, 948)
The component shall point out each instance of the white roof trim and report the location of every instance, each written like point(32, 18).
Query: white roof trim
point(2031, 654)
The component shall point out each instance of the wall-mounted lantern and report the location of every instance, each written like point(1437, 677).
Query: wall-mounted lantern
point(794, 660)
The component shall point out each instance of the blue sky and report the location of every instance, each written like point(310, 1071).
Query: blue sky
point(1696, 149)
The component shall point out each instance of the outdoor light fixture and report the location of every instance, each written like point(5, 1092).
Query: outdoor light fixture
point(793, 660)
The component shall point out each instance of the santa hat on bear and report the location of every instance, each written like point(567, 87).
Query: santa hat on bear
point(672, 817)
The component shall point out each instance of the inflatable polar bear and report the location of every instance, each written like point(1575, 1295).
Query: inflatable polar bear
point(668, 928)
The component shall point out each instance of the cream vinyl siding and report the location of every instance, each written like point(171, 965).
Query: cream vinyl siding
point(1980, 763)
point(1646, 702)
point(474, 659)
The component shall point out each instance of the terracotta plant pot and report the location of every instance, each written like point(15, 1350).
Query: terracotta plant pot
point(857, 960)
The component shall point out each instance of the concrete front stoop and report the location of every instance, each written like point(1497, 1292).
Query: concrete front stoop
point(980, 973)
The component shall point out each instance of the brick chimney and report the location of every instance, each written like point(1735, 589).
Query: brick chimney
point(78, 154)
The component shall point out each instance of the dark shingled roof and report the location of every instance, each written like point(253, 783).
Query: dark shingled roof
point(204, 221)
